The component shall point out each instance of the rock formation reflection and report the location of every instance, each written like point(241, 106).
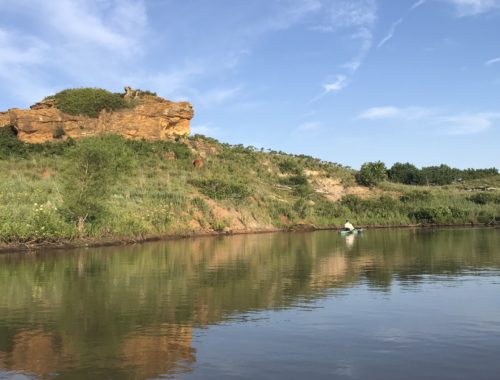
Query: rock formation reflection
point(131, 312)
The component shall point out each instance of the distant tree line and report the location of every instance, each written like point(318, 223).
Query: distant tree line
point(372, 173)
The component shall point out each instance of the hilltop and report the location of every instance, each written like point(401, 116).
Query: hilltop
point(108, 187)
point(86, 112)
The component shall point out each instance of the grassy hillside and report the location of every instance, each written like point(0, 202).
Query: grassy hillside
point(109, 187)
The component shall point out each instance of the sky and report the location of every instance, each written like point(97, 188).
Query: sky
point(347, 81)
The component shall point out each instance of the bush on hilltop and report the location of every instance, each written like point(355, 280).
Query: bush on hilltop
point(88, 101)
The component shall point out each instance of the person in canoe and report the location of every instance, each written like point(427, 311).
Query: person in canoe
point(348, 226)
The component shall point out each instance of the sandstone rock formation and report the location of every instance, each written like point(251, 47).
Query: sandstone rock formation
point(151, 118)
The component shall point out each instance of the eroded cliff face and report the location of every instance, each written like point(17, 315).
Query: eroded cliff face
point(151, 118)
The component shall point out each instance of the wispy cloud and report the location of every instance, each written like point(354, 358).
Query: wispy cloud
point(21, 50)
point(398, 22)
point(362, 16)
point(311, 128)
point(353, 13)
point(466, 124)
point(492, 61)
point(390, 34)
point(390, 112)
point(358, 17)
point(437, 121)
point(92, 42)
point(417, 4)
point(337, 85)
point(473, 7)
point(379, 113)
point(365, 38)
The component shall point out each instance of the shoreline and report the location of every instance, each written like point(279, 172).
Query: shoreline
point(123, 241)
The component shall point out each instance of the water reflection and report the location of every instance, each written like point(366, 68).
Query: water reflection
point(129, 312)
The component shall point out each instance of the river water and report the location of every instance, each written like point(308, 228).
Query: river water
point(388, 304)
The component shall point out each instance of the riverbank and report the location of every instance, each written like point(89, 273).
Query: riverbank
point(125, 241)
point(109, 190)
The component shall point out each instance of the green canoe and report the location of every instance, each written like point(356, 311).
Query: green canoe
point(353, 232)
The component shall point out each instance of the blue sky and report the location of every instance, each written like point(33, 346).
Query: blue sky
point(348, 81)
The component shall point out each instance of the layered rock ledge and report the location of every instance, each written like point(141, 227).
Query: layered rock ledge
point(151, 118)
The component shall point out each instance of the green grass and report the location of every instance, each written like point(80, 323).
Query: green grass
point(88, 101)
point(239, 185)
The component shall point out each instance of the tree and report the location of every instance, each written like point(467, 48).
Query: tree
point(405, 173)
point(95, 166)
point(371, 173)
point(440, 175)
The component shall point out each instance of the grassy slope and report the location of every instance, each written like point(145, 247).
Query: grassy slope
point(238, 189)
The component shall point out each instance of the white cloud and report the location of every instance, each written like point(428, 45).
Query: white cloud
point(353, 13)
point(359, 15)
point(337, 85)
point(417, 4)
point(365, 38)
point(398, 22)
point(438, 122)
point(465, 124)
point(473, 7)
point(19, 49)
point(391, 32)
point(406, 113)
point(492, 61)
point(379, 113)
point(87, 43)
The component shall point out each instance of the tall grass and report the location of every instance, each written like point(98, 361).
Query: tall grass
point(238, 186)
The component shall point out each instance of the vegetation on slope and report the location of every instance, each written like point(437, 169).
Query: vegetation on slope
point(88, 101)
point(110, 187)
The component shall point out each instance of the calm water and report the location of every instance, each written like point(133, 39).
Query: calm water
point(399, 304)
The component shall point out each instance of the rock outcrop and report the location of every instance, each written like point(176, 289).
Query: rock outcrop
point(151, 118)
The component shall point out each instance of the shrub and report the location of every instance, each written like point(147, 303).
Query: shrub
point(352, 202)
point(371, 173)
point(459, 214)
point(432, 215)
point(142, 93)
point(88, 101)
point(484, 198)
point(200, 204)
point(94, 166)
point(486, 216)
point(295, 180)
point(478, 173)
point(148, 148)
point(278, 210)
point(290, 166)
point(220, 189)
point(299, 183)
point(58, 133)
point(330, 210)
point(9, 144)
point(416, 196)
point(302, 208)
